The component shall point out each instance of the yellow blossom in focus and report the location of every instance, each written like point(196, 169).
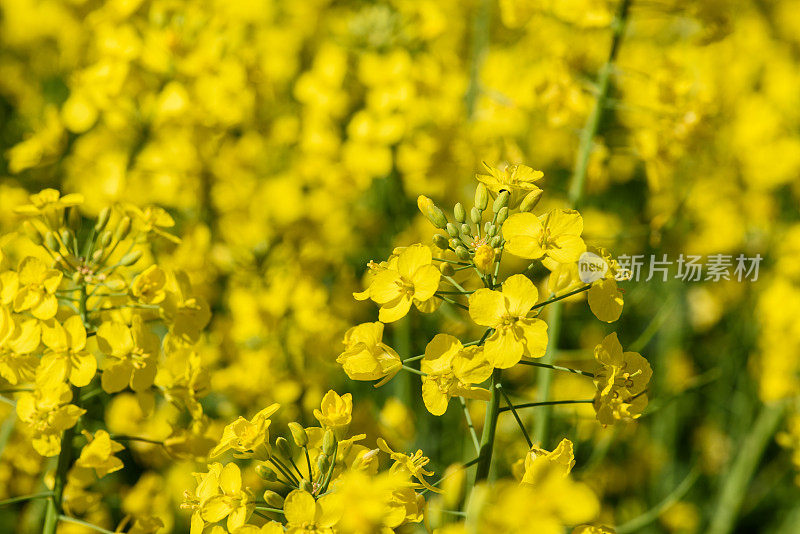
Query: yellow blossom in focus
point(246, 437)
point(515, 334)
point(516, 179)
point(305, 514)
point(67, 344)
point(336, 411)
point(366, 357)
point(37, 287)
point(132, 355)
point(621, 381)
point(555, 235)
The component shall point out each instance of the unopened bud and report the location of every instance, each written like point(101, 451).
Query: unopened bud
point(502, 215)
point(447, 269)
point(484, 257)
point(74, 218)
point(454, 243)
point(492, 230)
point(530, 200)
point(459, 213)
point(305, 485)
point(130, 258)
point(105, 238)
point(328, 442)
point(323, 463)
point(440, 241)
point(67, 237)
point(123, 229)
point(97, 255)
point(266, 473)
point(273, 499)
point(462, 252)
point(452, 229)
point(501, 201)
point(431, 211)
point(32, 233)
point(465, 229)
point(495, 242)
point(102, 219)
point(282, 445)
point(481, 197)
point(298, 434)
point(51, 242)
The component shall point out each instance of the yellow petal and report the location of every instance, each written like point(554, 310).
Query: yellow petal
point(426, 282)
point(299, 507)
point(487, 307)
point(534, 336)
point(521, 294)
point(412, 258)
point(605, 300)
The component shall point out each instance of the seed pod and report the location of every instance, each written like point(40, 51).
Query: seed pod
point(502, 215)
point(459, 213)
point(447, 269)
point(266, 473)
point(323, 463)
point(102, 219)
point(123, 229)
point(440, 241)
point(298, 434)
point(282, 444)
point(501, 201)
point(328, 442)
point(481, 196)
point(530, 200)
point(462, 252)
point(273, 499)
point(452, 230)
point(51, 242)
point(430, 210)
point(130, 258)
point(465, 229)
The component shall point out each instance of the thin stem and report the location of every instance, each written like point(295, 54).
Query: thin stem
point(545, 403)
point(561, 297)
point(269, 509)
point(637, 523)
point(412, 370)
point(453, 262)
point(308, 463)
point(516, 415)
point(451, 301)
point(734, 488)
point(68, 519)
point(544, 379)
point(471, 427)
point(135, 438)
point(30, 497)
point(592, 125)
point(557, 368)
point(285, 470)
point(463, 466)
point(489, 429)
point(455, 285)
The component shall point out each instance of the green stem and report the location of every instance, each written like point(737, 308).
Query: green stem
point(26, 498)
point(542, 423)
point(593, 122)
point(561, 297)
point(451, 301)
point(557, 368)
point(637, 523)
point(489, 429)
point(67, 519)
point(471, 427)
point(546, 403)
point(734, 488)
point(516, 415)
point(269, 509)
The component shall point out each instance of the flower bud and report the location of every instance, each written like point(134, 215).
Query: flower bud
point(123, 229)
point(459, 213)
point(431, 211)
point(298, 434)
point(484, 257)
point(447, 269)
point(67, 237)
point(51, 242)
point(323, 463)
point(501, 200)
point(130, 258)
point(266, 473)
point(452, 230)
point(328, 442)
point(475, 216)
point(273, 499)
point(102, 219)
point(465, 229)
point(282, 444)
point(462, 252)
point(496, 241)
point(105, 238)
point(454, 243)
point(305, 485)
point(97, 255)
point(481, 196)
point(440, 241)
point(530, 200)
point(502, 215)
point(492, 230)
point(32, 233)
